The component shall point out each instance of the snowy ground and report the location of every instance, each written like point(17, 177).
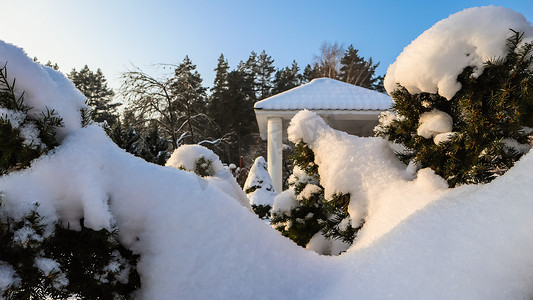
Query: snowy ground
point(197, 241)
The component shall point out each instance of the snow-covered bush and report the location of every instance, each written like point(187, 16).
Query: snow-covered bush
point(258, 187)
point(42, 257)
point(52, 261)
point(24, 136)
point(303, 213)
point(206, 164)
point(463, 95)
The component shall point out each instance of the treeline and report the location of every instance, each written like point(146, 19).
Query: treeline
point(162, 113)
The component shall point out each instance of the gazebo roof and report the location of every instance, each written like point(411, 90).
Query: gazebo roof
point(326, 94)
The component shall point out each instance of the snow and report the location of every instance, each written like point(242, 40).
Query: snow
point(420, 240)
point(7, 276)
point(285, 201)
point(186, 157)
point(51, 268)
point(433, 123)
point(516, 146)
point(120, 275)
point(43, 88)
point(28, 131)
point(308, 192)
point(432, 62)
point(15, 118)
point(320, 244)
point(25, 236)
point(370, 172)
point(326, 94)
point(259, 179)
point(444, 137)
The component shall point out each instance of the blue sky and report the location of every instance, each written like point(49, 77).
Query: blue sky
point(114, 34)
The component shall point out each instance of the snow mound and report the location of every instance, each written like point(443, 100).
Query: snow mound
point(432, 62)
point(186, 158)
point(198, 159)
point(43, 88)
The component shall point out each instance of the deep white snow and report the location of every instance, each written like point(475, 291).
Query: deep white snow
point(420, 240)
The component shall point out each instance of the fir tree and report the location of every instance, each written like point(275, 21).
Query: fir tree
point(99, 96)
point(489, 120)
point(259, 189)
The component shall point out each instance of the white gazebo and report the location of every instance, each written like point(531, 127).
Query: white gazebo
point(343, 106)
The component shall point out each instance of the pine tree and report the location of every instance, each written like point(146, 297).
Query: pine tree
point(248, 72)
point(153, 148)
point(125, 133)
point(99, 96)
point(313, 213)
point(241, 106)
point(310, 73)
point(287, 78)
point(358, 71)
point(219, 106)
point(264, 70)
point(190, 98)
point(488, 119)
point(47, 64)
point(220, 84)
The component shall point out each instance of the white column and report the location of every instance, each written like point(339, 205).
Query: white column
point(274, 152)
